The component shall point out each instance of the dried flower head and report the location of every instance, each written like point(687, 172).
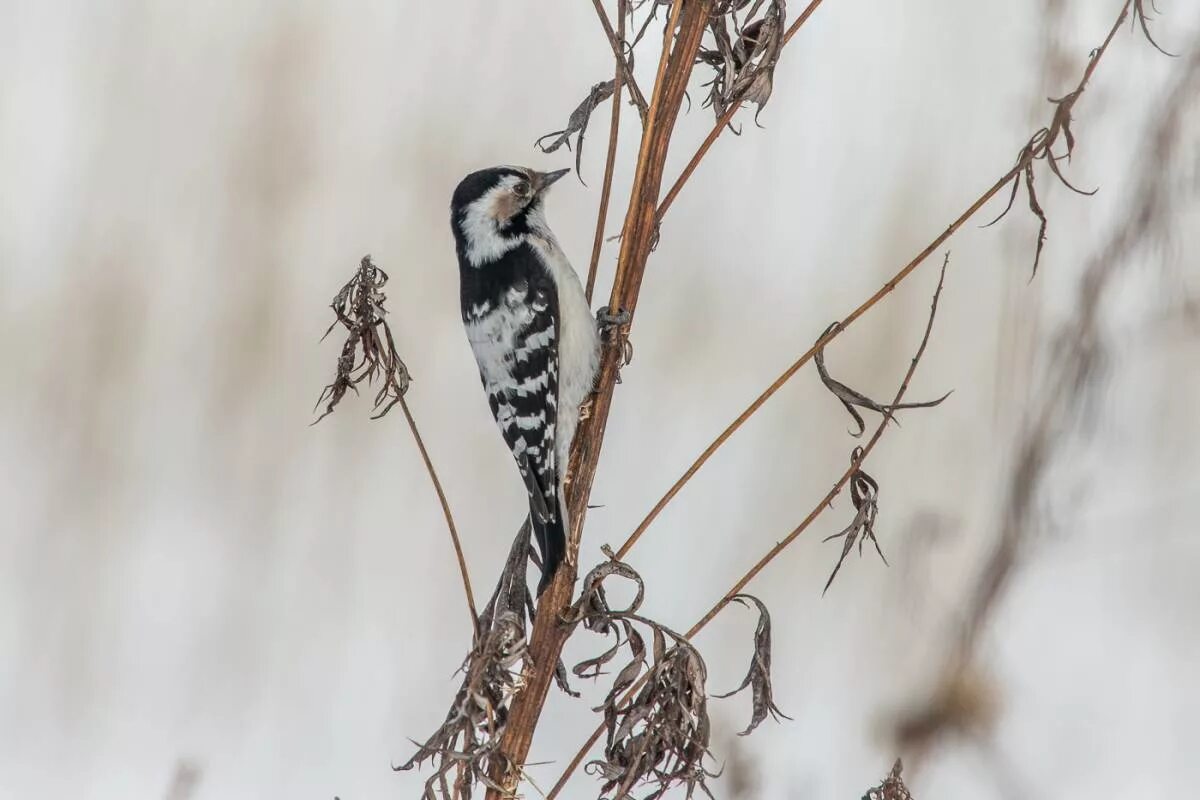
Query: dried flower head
point(892, 788)
point(369, 352)
point(743, 52)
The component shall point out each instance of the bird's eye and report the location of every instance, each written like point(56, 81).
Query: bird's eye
point(521, 189)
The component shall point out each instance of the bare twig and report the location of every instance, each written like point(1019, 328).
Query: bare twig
point(610, 161)
point(437, 487)
point(617, 42)
point(1005, 180)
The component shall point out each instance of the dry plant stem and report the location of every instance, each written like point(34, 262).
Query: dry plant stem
point(723, 123)
point(837, 487)
point(791, 537)
point(616, 41)
point(886, 289)
point(883, 291)
point(437, 486)
point(610, 162)
point(549, 632)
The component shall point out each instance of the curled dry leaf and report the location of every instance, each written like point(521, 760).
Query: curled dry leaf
point(1143, 20)
point(851, 398)
point(577, 124)
point(658, 737)
point(743, 52)
point(864, 494)
point(758, 677)
point(892, 788)
point(369, 351)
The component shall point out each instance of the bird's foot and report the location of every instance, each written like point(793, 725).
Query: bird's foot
point(615, 328)
point(608, 321)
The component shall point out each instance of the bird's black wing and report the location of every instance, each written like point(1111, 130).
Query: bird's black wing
point(515, 341)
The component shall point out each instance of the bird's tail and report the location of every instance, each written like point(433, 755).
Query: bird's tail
point(551, 537)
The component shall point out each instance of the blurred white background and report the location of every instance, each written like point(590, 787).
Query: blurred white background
point(189, 574)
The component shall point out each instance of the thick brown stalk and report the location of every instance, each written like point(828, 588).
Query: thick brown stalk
point(610, 161)
point(681, 41)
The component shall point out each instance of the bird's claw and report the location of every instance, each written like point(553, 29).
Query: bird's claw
point(615, 328)
point(608, 321)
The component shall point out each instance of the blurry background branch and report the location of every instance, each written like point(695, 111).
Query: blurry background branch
point(1066, 394)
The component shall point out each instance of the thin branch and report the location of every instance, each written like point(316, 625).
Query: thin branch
point(855, 465)
point(723, 122)
point(611, 161)
point(1016, 171)
point(616, 40)
point(369, 354)
point(437, 486)
point(826, 501)
point(883, 291)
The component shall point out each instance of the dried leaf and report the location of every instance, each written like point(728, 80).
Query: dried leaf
point(659, 737)
point(864, 492)
point(577, 124)
point(1143, 20)
point(851, 398)
point(743, 53)
point(758, 677)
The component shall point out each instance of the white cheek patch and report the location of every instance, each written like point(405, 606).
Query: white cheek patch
point(481, 221)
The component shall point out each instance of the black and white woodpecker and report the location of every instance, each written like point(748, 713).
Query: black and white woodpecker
point(532, 332)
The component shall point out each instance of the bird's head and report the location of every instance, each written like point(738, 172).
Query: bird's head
point(493, 209)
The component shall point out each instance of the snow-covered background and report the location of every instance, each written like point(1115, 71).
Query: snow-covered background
point(190, 575)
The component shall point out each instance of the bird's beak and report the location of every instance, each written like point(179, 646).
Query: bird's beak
point(542, 180)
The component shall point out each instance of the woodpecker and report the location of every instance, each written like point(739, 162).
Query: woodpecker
point(531, 330)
